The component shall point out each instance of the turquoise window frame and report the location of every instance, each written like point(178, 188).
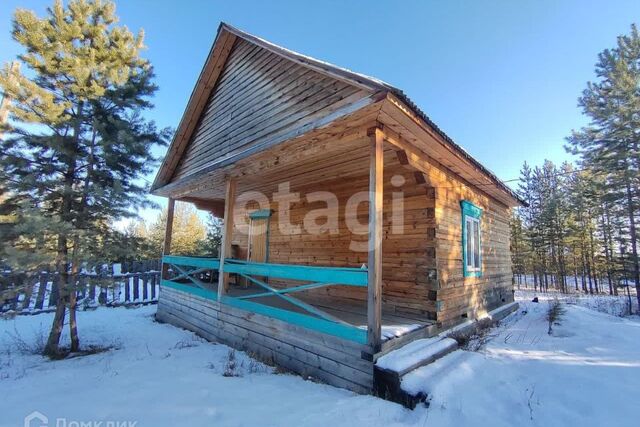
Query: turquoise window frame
point(260, 214)
point(475, 212)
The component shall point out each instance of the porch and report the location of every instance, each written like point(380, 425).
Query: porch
point(295, 294)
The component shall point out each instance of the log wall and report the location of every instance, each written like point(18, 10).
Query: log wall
point(459, 297)
point(408, 248)
point(308, 353)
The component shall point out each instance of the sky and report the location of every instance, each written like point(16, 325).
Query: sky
point(502, 78)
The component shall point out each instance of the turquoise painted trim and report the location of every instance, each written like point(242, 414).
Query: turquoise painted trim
point(348, 332)
point(187, 275)
point(260, 214)
point(337, 275)
point(294, 301)
point(321, 276)
point(213, 263)
point(469, 209)
point(286, 290)
point(204, 293)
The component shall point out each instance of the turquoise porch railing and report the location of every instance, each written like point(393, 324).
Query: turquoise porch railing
point(198, 276)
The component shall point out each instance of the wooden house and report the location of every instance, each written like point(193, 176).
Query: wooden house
point(352, 223)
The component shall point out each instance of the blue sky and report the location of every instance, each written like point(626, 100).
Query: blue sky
point(502, 78)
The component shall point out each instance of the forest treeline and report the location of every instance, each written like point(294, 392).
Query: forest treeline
point(580, 226)
point(191, 235)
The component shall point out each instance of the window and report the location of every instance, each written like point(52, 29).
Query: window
point(471, 242)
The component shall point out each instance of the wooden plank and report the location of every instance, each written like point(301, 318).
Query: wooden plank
point(337, 275)
point(206, 82)
point(265, 95)
point(403, 121)
point(273, 326)
point(136, 287)
point(318, 122)
point(166, 248)
point(203, 262)
point(227, 231)
point(374, 301)
point(208, 184)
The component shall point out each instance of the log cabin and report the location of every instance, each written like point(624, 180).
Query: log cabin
point(352, 224)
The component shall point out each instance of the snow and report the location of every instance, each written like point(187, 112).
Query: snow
point(587, 373)
point(392, 331)
point(114, 294)
point(117, 269)
point(160, 375)
point(610, 304)
point(414, 352)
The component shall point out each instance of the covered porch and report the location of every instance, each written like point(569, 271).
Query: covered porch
point(330, 279)
point(248, 289)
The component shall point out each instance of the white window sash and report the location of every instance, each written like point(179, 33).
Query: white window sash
point(473, 247)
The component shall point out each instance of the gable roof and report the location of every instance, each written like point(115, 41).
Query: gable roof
point(225, 38)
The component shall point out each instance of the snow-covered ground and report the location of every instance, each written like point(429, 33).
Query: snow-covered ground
point(587, 373)
point(160, 375)
point(610, 304)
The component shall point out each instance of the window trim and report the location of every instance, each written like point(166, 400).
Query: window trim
point(473, 212)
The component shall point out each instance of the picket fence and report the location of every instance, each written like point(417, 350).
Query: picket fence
point(112, 285)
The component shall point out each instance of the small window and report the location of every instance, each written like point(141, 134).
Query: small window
point(471, 241)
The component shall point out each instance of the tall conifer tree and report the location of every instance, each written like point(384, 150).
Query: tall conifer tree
point(610, 145)
point(77, 142)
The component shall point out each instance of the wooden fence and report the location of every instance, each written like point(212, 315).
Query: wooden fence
point(111, 285)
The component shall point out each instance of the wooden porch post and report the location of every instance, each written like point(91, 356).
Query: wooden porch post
point(166, 250)
point(374, 300)
point(227, 232)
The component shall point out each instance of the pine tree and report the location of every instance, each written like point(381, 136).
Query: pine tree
point(210, 246)
point(78, 141)
point(610, 145)
point(518, 251)
point(188, 232)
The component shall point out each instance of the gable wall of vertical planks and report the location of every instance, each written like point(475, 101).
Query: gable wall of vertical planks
point(259, 95)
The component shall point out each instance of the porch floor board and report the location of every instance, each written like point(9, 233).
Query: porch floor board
point(351, 311)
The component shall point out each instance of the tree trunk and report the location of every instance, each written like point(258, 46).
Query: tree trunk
point(634, 242)
point(73, 297)
point(608, 247)
point(73, 325)
point(575, 268)
point(583, 271)
point(52, 348)
point(589, 273)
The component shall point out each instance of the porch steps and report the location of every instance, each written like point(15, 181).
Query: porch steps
point(391, 367)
